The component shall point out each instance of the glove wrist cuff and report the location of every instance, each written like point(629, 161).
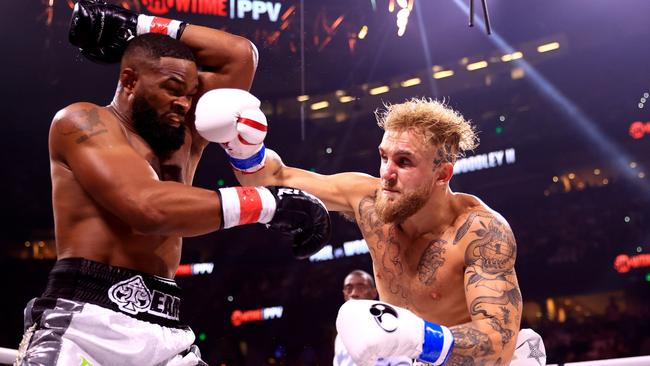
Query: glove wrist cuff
point(246, 205)
point(152, 24)
point(251, 164)
point(437, 345)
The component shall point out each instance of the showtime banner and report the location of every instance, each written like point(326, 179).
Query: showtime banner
point(256, 10)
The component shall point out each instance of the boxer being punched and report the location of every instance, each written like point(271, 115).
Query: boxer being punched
point(123, 200)
point(444, 261)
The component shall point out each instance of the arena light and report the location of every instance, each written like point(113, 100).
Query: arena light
point(379, 90)
point(548, 47)
point(363, 32)
point(477, 65)
point(639, 129)
point(568, 108)
point(443, 74)
point(406, 6)
point(346, 99)
point(411, 82)
point(319, 105)
point(302, 98)
point(517, 73)
point(512, 56)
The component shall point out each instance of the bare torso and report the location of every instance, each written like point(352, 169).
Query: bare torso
point(85, 229)
point(426, 274)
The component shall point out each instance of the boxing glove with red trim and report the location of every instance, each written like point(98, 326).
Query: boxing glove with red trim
point(102, 31)
point(299, 215)
point(232, 118)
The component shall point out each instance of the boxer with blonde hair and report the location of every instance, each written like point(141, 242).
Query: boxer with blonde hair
point(444, 261)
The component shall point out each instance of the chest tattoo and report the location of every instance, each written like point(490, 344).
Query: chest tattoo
point(432, 259)
point(385, 247)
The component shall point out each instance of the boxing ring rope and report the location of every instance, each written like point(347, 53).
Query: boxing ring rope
point(8, 356)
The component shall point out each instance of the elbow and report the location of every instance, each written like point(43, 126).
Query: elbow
point(146, 219)
point(245, 52)
point(148, 223)
point(504, 352)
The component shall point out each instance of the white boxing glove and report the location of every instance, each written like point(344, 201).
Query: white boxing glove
point(372, 329)
point(232, 118)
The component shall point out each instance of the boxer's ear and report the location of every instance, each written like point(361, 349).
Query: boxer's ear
point(128, 79)
point(444, 173)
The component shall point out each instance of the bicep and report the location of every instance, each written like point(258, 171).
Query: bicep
point(491, 287)
point(102, 161)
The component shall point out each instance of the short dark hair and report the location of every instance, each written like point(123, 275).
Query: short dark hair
point(366, 276)
point(154, 46)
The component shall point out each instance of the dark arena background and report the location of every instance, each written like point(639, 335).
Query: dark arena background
point(560, 92)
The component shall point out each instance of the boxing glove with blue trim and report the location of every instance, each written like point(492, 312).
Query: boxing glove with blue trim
point(373, 329)
point(232, 118)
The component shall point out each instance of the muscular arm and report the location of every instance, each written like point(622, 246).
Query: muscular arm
point(84, 138)
point(492, 293)
point(339, 192)
point(225, 61)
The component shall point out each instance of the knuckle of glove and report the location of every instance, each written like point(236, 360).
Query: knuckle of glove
point(252, 126)
point(217, 112)
point(101, 30)
point(309, 215)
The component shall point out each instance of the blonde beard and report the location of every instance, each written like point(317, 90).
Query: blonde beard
point(400, 209)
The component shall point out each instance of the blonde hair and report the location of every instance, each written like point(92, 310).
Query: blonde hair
point(437, 123)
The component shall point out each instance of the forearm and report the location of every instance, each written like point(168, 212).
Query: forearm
point(174, 209)
point(231, 60)
point(271, 175)
point(483, 342)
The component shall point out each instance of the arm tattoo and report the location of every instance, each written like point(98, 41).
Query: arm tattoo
point(464, 228)
point(490, 258)
point(460, 360)
point(386, 248)
point(86, 122)
point(506, 314)
point(471, 342)
point(431, 260)
point(506, 334)
point(494, 250)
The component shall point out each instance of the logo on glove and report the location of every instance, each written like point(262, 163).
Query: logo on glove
point(385, 316)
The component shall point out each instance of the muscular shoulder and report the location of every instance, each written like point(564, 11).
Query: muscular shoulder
point(484, 232)
point(81, 124)
point(78, 117)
